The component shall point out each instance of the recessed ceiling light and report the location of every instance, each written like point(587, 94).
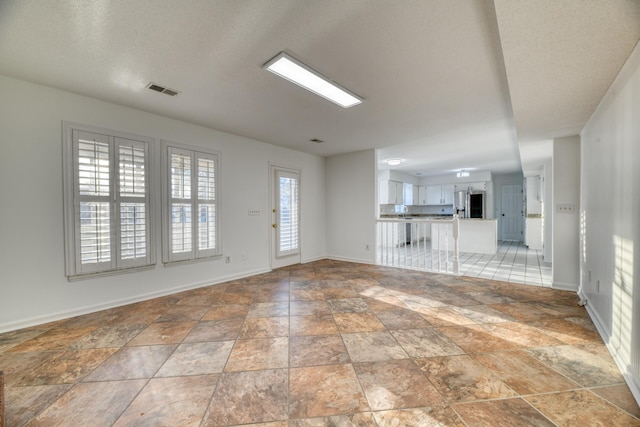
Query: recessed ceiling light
point(296, 72)
point(394, 162)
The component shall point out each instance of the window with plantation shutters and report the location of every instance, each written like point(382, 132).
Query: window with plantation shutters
point(107, 202)
point(191, 220)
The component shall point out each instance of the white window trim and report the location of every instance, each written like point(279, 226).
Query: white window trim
point(195, 255)
point(71, 221)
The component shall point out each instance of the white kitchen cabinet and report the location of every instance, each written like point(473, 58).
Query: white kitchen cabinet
point(407, 190)
point(533, 235)
point(434, 194)
point(533, 195)
point(422, 195)
point(474, 186)
point(391, 193)
point(475, 236)
point(439, 194)
point(447, 194)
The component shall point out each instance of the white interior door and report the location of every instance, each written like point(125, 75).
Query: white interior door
point(511, 219)
point(285, 217)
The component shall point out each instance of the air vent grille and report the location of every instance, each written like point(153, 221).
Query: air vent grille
point(162, 89)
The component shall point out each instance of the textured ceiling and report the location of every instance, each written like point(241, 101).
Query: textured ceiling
point(432, 72)
point(561, 57)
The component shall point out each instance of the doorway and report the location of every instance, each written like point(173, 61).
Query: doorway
point(511, 219)
point(285, 216)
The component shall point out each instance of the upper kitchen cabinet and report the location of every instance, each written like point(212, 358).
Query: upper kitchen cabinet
point(471, 186)
point(422, 195)
point(408, 198)
point(439, 194)
point(391, 193)
point(447, 194)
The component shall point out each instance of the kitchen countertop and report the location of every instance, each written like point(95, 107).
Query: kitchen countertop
point(416, 216)
point(430, 217)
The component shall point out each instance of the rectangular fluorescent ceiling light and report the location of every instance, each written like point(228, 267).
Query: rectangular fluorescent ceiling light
point(296, 72)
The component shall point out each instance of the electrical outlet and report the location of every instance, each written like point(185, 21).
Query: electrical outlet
point(227, 259)
point(565, 207)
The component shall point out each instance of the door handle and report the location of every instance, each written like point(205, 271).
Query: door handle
point(274, 225)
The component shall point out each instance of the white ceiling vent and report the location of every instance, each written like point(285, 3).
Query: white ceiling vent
point(162, 89)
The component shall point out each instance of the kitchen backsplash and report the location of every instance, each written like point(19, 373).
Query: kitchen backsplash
point(416, 210)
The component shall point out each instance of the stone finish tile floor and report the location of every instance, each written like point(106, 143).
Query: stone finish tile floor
point(322, 344)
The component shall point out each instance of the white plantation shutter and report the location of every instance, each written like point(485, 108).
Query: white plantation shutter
point(93, 188)
point(192, 208)
point(207, 244)
point(133, 201)
point(108, 218)
point(288, 213)
point(181, 247)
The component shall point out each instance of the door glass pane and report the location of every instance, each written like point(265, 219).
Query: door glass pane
point(288, 238)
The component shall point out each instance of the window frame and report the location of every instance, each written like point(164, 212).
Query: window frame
point(74, 269)
point(195, 254)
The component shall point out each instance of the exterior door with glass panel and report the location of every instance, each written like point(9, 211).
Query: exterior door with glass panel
point(285, 217)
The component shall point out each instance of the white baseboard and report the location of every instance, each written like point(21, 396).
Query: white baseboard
point(565, 286)
point(632, 378)
point(313, 259)
point(39, 320)
point(347, 259)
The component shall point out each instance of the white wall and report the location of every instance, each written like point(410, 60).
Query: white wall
point(33, 287)
point(609, 210)
point(566, 192)
point(474, 176)
point(547, 208)
point(351, 206)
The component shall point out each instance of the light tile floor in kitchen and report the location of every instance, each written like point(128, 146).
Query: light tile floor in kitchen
point(514, 262)
point(325, 343)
